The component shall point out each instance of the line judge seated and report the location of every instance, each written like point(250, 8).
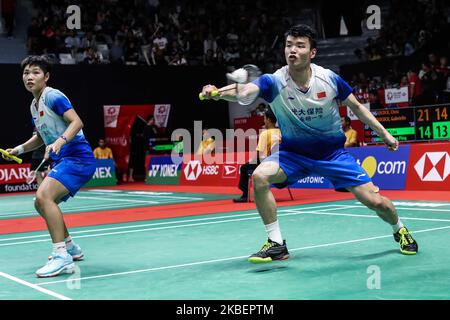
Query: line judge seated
point(268, 141)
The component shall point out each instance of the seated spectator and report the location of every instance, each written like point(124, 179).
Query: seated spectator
point(72, 42)
point(268, 142)
point(102, 151)
point(91, 56)
point(207, 145)
point(88, 41)
point(350, 134)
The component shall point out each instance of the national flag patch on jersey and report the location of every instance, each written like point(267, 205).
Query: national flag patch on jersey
point(41, 113)
point(321, 95)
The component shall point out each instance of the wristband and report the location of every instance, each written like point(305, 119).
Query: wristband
point(20, 149)
point(64, 138)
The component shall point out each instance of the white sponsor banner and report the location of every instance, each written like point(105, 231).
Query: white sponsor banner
point(353, 116)
point(110, 114)
point(161, 115)
point(396, 95)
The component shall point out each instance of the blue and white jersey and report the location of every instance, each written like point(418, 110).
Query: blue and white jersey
point(48, 119)
point(309, 121)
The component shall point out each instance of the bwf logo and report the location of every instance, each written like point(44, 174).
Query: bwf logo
point(74, 20)
point(433, 166)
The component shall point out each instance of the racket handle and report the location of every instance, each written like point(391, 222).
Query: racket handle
point(214, 93)
point(13, 157)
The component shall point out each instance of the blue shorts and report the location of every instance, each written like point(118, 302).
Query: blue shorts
point(340, 168)
point(73, 173)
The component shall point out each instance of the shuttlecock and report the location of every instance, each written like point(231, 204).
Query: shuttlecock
point(239, 75)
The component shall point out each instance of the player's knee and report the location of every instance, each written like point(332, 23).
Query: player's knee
point(260, 181)
point(376, 203)
point(39, 202)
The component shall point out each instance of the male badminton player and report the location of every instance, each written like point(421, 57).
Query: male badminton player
point(60, 129)
point(304, 98)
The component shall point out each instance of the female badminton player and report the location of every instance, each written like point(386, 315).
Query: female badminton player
point(60, 129)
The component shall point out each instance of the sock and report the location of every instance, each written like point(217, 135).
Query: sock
point(274, 233)
point(397, 226)
point(60, 248)
point(69, 242)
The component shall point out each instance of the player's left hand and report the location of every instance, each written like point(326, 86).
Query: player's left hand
point(390, 142)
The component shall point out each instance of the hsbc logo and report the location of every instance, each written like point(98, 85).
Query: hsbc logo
point(433, 166)
point(193, 170)
point(229, 171)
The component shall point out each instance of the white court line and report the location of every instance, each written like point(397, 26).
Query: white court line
point(76, 209)
point(157, 196)
point(229, 216)
point(229, 259)
point(158, 228)
point(406, 208)
point(371, 216)
point(121, 200)
point(33, 286)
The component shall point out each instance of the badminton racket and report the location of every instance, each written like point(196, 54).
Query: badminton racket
point(10, 156)
point(32, 176)
point(240, 77)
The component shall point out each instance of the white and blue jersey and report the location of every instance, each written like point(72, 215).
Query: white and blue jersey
point(312, 137)
point(309, 121)
point(75, 163)
point(48, 119)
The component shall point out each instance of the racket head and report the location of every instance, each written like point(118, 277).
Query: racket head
point(31, 177)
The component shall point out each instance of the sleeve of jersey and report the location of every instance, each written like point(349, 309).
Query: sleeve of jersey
point(58, 102)
point(267, 87)
point(342, 87)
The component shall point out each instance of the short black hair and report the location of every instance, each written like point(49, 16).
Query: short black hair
point(270, 115)
point(303, 30)
point(40, 61)
point(347, 119)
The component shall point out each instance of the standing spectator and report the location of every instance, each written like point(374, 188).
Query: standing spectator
point(102, 151)
point(34, 37)
point(8, 13)
point(415, 87)
point(150, 133)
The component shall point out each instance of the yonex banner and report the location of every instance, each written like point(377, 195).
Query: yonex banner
point(105, 174)
point(162, 170)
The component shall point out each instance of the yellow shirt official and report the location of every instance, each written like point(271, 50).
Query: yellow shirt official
point(268, 139)
point(105, 153)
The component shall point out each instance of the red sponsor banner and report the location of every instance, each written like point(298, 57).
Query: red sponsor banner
point(196, 171)
point(14, 173)
point(118, 121)
point(429, 167)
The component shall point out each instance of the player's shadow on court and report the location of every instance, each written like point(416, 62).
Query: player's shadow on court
point(269, 269)
point(375, 255)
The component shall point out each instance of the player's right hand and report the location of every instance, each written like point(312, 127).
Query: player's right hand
point(207, 90)
point(11, 151)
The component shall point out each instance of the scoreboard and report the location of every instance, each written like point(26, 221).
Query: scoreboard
point(412, 123)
